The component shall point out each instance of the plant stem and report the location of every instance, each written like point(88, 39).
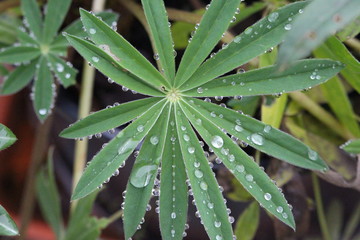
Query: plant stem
point(118, 214)
point(354, 43)
point(320, 208)
point(319, 113)
point(38, 153)
point(86, 92)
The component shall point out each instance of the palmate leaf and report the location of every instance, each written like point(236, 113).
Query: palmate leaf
point(19, 78)
point(123, 53)
point(7, 138)
point(157, 19)
point(18, 54)
point(107, 119)
point(7, 225)
point(212, 26)
point(261, 136)
point(143, 173)
point(106, 64)
point(301, 75)
point(173, 191)
point(208, 198)
point(116, 152)
point(248, 173)
point(254, 41)
point(309, 30)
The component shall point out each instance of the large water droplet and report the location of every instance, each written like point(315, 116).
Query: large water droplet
point(279, 209)
point(200, 90)
point(95, 59)
point(267, 196)
point(173, 215)
point(217, 224)
point(257, 139)
point(92, 31)
point(218, 237)
point(217, 141)
point(239, 128)
point(142, 174)
point(249, 177)
point(203, 186)
point(199, 174)
point(186, 137)
point(191, 150)
point(154, 140)
point(42, 111)
point(240, 168)
point(312, 155)
point(273, 16)
point(210, 205)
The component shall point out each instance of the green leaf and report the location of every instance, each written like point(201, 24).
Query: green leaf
point(8, 28)
point(350, 31)
point(336, 50)
point(352, 146)
point(7, 138)
point(352, 224)
point(212, 26)
point(309, 30)
point(44, 90)
point(248, 104)
point(248, 222)
point(25, 38)
point(143, 174)
point(75, 28)
point(109, 118)
point(19, 78)
point(116, 152)
point(63, 71)
point(173, 190)
point(18, 54)
point(254, 41)
point(7, 225)
point(272, 114)
point(108, 66)
point(54, 16)
point(335, 218)
point(123, 53)
point(301, 75)
point(33, 17)
point(88, 230)
point(48, 196)
point(246, 171)
point(261, 136)
point(209, 200)
point(157, 19)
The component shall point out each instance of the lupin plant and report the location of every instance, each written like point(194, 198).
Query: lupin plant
point(169, 123)
point(39, 53)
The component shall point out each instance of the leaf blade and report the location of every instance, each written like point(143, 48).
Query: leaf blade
point(352, 146)
point(213, 24)
point(33, 16)
point(63, 71)
point(116, 151)
point(157, 19)
point(248, 222)
point(301, 75)
point(19, 54)
point(7, 225)
point(7, 138)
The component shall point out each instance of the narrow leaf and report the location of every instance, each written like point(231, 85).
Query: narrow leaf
point(64, 71)
point(272, 113)
point(246, 171)
point(54, 16)
point(143, 174)
point(335, 218)
point(352, 146)
point(18, 54)
point(7, 138)
point(254, 41)
point(248, 222)
point(350, 31)
point(109, 118)
point(352, 224)
point(157, 19)
point(32, 16)
point(173, 190)
point(19, 78)
point(109, 159)
point(121, 50)
point(209, 200)
point(48, 196)
point(44, 90)
point(309, 30)
point(25, 38)
point(261, 136)
point(109, 66)
point(7, 225)
point(212, 26)
point(301, 75)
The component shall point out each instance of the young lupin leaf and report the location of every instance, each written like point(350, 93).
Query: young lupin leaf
point(171, 138)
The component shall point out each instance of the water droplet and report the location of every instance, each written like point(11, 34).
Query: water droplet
point(173, 139)
point(218, 237)
point(240, 168)
point(198, 173)
point(237, 11)
point(156, 56)
point(267, 196)
point(231, 158)
point(59, 67)
point(191, 150)
point(196, 164)
point(154, 140)
point(142, 174)
point(213, 114)
point(183, 128)
point(225, 151)
point(200, 90)
point(249, 177)
point(186, 137)
point(267, 128)
point(203, 186)
point(217, 141)
point(95, 59)
point(140, 128)
point(273, 16)
point(248, 30)
point(237, 39)
point(257, 139)
point(231, 219)
point(210, 205)
point(285, 215)
point(42, 111)
point(287, 27)
point(238, 128)
point(279, 209)
point(217, 224)
point(92, 31)
point(233, 19)
point(218, 98)
point(312, 155)
point(173, 215)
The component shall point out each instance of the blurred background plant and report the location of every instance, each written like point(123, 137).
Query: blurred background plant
point(325, 205)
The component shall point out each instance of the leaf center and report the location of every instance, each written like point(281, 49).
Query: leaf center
point(174, 95)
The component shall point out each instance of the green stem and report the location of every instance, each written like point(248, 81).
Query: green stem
point(257, 156)
point(86, 92)
point(320, 208)
point(319, 113)
point(118, 214)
